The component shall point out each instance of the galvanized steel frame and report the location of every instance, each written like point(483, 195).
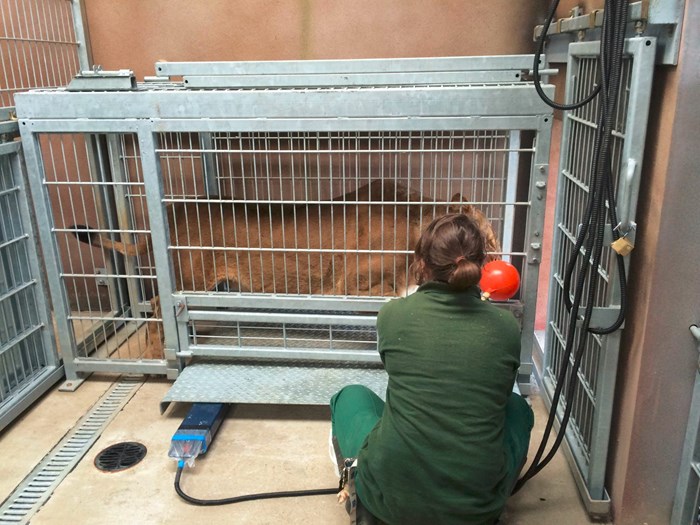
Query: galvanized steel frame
point(589, 459)
point(502, 69)
point(150, 110)
point(43, 45)
point(29, 362)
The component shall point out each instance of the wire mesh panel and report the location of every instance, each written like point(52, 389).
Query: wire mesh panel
point(96, 180)
point(322, 214)
point(273, 224)
point(38, 45)
point(27, 356)
point(588, 429)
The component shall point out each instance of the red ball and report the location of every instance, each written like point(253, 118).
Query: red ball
point(500, 280)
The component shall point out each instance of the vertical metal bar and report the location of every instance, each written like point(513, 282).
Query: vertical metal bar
point(510, 193)
point(8, 280)
point(29, 38)
point(211, 184)
point(554, 308)
point(59, 37)
point(127, 293)
point(685, 504)
point(591, 419)
point(52, 255)
point(35, 270)
point(49, 66)
point(258, 218)
point(8, 72)
point(160, 236)
point(101, 173)
point(643, 52)
point(24, 82)
point(283, 215)
point(82, 37)
point(598, 447)
point(533, 242)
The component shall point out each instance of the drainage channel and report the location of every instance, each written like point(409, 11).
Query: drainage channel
point(38, 486)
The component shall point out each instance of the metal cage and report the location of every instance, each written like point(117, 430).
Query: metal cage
point(589, 427)
point(41, 45)
point(270, 224)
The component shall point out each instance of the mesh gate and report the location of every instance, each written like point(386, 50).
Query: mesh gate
point(40, 46)
point(588, 430)
point(365, 197)
point(28, 362)
point(271, 223)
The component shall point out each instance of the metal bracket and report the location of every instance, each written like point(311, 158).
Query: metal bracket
point(101, 281)
point(578, 21)
point(99, 80)
point(181, 310)
point(662, 19)
point(71, 385)
point(171, 354)
point(603, 317)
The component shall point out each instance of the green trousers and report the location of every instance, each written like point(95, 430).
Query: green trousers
point(355, 410)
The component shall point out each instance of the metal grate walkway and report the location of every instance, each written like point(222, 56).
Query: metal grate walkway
point(297, 383)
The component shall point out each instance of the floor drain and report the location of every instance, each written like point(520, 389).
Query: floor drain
point(120, 456)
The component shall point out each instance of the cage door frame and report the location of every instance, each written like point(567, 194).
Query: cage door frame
point(43, 376)
point(151, 111)
point(589, 461)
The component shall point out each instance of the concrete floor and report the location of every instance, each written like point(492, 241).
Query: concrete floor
point(259, 448)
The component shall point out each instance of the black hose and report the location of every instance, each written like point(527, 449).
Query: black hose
point(592, 230)
point(248, 497)
point(536, 68)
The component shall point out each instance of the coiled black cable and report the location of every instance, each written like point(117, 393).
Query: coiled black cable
point(248, 497)
point(592, 230)
point(536, 68)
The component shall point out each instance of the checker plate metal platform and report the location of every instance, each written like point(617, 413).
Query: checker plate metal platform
point(292, 383)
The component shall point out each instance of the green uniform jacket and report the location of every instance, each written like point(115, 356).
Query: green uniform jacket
point(437, 455)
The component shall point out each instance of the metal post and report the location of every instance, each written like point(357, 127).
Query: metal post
point(160, 237)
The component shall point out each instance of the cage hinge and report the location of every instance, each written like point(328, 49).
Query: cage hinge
point(99, 80)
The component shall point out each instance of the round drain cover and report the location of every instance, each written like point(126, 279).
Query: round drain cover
point(120, 456)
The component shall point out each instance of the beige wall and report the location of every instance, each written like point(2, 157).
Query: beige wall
point(659, 356)
point(133, 34)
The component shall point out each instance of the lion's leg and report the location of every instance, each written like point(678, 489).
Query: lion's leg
point(154, 332)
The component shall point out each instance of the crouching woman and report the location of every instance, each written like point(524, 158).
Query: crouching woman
point(448, 444)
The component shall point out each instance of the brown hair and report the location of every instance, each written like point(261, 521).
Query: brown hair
point(451, 250)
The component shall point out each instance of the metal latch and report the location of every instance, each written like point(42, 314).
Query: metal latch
point(99, 80)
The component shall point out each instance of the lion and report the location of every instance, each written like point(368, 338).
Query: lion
point(354, 245)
